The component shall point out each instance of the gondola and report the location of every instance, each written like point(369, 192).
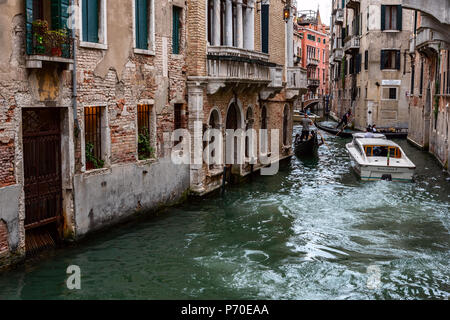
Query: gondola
point(307, 147)
point(348, 133)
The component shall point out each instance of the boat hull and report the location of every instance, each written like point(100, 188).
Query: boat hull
point(307, 148)
point(377, 173)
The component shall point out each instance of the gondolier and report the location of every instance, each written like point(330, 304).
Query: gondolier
point(345, 119)
point(306, 123)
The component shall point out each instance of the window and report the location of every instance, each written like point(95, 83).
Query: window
point(324, 41)
point(413, 75)
point(391, 17)
point(311, 37)
point(143, 25)
point(390, 59)
point(93, 26)
point(176, 29)
point(366, 60)
point(390, 93)
point(144, 116)
point(318, 39)
point(93, 137)
point(448, 72)
point(265, 27)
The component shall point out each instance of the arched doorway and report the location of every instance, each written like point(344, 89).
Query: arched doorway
point(233, 122)
point(213, 123)
point(264, 135)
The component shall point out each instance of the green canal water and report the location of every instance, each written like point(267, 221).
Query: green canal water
point(314, 231)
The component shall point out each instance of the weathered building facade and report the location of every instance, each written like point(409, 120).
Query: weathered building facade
point(241, 75)
point(370, 65)
point(429, 102)
point(75, 159)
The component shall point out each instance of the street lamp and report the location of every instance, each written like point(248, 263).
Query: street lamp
point(287, 13)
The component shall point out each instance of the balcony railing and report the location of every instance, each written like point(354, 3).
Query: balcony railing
point(296, 78)
point(312, 62)
point(236, 64)
point(352, 43)
point(338, 54)
point(339, 16)
point(424, 36)
point(313, 83)
point(48, 45)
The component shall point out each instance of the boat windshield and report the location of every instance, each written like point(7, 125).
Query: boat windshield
point(383, 151)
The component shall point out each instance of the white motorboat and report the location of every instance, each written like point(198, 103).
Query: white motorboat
point(376, 158)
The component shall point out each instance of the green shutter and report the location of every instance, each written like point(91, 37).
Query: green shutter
point(90, 20)
point(399, 17)
point(60, 14)
point(29, 25)
point(176, 31)
point(142, 24)
point(265, 27)
point(383, 17)
point(382, 59)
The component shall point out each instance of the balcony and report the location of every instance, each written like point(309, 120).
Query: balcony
point(296, 82)
point(276, 83)
point(230, 65)
point(44, 45)
point(312, 62)
point(352, 44)
point(339, 17)
point(338, 54)
point(352, 4)
point(425, 40)
point(313, 83)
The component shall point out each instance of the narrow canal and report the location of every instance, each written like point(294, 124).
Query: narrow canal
point(312, 232)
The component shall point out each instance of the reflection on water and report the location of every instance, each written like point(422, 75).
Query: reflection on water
point(314, 231)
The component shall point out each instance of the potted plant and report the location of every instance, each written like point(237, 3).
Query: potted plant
point(91, 161)
point(55, 40)
point(40, 29)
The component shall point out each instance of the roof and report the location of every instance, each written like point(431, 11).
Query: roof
point(377, 142)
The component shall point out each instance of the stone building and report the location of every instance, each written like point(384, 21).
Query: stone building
point(312, 49)
point(370, 66)
point(78, 158)
point(429, 99)
point(241, 75)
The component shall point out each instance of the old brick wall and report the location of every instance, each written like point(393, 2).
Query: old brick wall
point(196, 37)
point(4, 246)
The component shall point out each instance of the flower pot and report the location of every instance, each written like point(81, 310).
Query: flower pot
point(57, 52)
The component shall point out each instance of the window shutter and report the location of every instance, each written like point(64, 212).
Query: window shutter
point(265, 27)
point(142, 24)
point(383, 17)
point(175, 31)
point(90, 20)
point(29, 25)
point(383, 59)
point(397, 60)
point(399, 17)
point(366, 60)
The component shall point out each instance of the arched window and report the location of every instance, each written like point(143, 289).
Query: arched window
point(214, 123)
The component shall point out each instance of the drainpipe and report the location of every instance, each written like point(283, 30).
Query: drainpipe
point(74, 72)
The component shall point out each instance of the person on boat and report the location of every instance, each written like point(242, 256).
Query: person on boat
point(306, 123)
point(374, 128)
point(345, 119)
point(369, 133)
